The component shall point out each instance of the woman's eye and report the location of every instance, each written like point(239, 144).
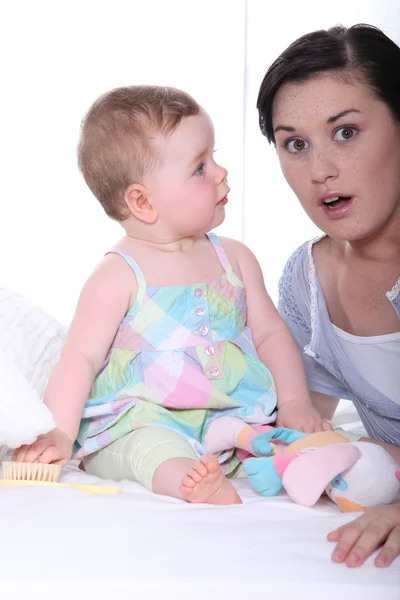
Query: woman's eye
point(296, 145)
point(343, 134)
point(200, 169)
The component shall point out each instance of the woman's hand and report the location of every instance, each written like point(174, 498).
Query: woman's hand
point(360, 538)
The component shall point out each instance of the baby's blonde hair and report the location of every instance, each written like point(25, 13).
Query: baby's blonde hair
point(115, 148)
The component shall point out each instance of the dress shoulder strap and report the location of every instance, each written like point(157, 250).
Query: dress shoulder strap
point(141, 281)
point(220, 250)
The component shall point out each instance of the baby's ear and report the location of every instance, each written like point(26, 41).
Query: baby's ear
point(138, 201)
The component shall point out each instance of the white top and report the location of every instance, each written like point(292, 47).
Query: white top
point(376, 358)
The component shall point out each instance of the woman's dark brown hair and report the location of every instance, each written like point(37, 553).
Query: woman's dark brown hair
point(360, 52)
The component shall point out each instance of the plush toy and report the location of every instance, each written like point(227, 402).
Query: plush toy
point(354, 475)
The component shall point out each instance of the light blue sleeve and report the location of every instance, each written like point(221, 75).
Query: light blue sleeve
point(294, 308)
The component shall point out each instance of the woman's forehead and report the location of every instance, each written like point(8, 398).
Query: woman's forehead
point(320, 97)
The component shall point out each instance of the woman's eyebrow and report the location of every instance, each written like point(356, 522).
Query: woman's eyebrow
point(342, 114)
point(284, 128)
point(329, 121)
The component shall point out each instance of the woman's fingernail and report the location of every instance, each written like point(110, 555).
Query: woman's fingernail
point(353, 559)
point(338, 555)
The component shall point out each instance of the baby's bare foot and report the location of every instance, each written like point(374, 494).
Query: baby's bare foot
point(206, 483)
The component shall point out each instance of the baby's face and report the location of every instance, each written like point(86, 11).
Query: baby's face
point(189, 188)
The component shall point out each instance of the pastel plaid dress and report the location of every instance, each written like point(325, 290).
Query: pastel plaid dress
point(181, 358)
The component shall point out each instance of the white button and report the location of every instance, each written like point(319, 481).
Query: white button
point(214, 372)
point(210, 350)
point(199, 311)
point(203, 330)
point(198, 292)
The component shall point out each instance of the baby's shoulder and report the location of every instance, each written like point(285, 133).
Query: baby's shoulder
point(112, 276)
point(235, 248)
point(239, 255)
point(113, 266)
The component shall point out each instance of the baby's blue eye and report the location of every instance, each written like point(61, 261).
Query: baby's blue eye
point(344, 134)
point(200, 169)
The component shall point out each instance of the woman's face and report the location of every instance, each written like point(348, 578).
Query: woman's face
point(339, 150)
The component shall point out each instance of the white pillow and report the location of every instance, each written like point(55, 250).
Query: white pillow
point(23, 416)
point(29, 337)
point(30, 345)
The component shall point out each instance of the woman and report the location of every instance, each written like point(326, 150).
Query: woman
point(331, 105)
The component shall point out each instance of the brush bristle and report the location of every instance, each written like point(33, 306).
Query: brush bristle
point(31, 471)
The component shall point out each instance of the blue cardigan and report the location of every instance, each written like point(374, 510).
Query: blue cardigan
point(328, 370)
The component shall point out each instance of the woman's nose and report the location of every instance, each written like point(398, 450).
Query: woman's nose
point(322, 166)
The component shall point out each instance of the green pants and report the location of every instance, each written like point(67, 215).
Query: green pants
point(137, 455)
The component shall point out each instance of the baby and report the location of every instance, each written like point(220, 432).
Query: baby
point(176, 355)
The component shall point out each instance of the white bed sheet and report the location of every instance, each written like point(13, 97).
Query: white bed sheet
point(62, 543)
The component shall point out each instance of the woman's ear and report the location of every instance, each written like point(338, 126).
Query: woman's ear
point(138, 201)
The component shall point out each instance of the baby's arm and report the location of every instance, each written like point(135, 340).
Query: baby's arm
point(103, 303)
point(276, 348)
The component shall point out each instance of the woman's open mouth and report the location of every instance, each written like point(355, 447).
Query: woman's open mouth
point(336, 201)
point(336, 206)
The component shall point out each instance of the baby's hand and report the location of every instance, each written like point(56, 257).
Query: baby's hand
point(301, 416)
point(52, 447)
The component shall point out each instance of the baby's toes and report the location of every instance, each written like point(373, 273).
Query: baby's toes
point(188, 481)
point(185, 490)
point(200, 469)
point(195, 475)
point(210, 463)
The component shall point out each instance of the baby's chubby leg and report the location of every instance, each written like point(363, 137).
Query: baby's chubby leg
point(182, 475)
point(159, 459)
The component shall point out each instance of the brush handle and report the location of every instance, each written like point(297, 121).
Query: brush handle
point(97, 490)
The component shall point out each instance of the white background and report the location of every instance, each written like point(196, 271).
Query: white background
point(56, 58)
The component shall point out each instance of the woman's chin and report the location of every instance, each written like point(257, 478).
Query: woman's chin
point(348, 229)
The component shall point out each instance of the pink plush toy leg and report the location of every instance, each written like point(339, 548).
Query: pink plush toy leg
point(229, 432)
